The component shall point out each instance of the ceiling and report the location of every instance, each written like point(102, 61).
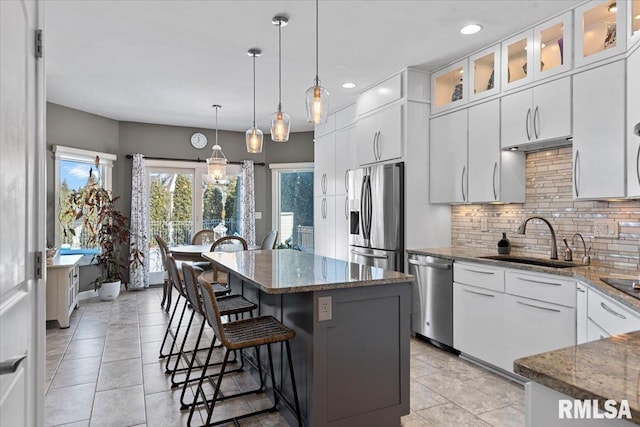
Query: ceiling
point(167, 62)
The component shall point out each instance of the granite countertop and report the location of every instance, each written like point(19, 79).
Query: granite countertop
point(288, 271)
point(589, 274)
point(603, 369)
point(64, 261)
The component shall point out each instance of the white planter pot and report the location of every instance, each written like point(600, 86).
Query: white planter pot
point(109, 291)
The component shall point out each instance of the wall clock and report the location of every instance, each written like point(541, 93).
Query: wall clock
point(198, 140)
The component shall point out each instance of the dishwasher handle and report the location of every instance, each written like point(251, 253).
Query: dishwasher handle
point(430, 264)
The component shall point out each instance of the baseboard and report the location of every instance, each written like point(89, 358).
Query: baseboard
point(496, 370)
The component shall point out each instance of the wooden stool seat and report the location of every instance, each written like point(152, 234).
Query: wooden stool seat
point(234, 304)
point(254, 332)
point(208, 278)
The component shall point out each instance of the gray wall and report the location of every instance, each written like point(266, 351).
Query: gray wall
point(74, 128)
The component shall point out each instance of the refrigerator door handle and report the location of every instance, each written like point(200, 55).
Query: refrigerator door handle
point(369, 255)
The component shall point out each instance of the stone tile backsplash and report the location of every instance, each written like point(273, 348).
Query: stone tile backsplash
point(549, 194)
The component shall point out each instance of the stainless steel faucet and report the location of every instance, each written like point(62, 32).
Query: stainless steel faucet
point(586, 259)
point(523, 228)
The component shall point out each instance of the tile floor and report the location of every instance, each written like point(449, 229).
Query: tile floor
point(104, 371)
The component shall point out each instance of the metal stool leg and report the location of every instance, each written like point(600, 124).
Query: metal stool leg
point(293, 384)
point(184, 341)
point(173, 314)
point(170, 332)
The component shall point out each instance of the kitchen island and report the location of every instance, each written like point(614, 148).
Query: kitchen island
point(352, 324)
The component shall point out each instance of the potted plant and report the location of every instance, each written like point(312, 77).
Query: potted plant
point(108, 230)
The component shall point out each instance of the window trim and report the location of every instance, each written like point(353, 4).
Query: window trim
point(276, 170)
point(62, 152)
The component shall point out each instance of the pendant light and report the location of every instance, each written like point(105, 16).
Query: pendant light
point(317, 97)
point(280, 121)
point(254, 135)
point(217, 163)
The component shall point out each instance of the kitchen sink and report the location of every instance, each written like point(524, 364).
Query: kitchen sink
point(533, 261)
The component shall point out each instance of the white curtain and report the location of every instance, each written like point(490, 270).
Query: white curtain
point(248, 203)
point(139, 274)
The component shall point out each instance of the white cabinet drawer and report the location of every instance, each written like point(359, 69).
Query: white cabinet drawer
point(610, 315)
point(541, 287)
point(380, 95)
point(479, 275)
point(595, 332)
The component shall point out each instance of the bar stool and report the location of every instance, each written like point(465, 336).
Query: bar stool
point(228, 304)
point(166, 287)
point(239, 335)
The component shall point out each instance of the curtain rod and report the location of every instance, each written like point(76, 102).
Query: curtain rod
point(198, 160)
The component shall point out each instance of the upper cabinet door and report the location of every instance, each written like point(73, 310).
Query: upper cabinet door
point(449, 87)
point(633, 22)
point(600, 30)
point(552, 47)
point(599, 132)
point(517, 55)
point(516, 123)
point(324, 165)
point(448, 171)
point(484, 73)
point(633, 120)
point(484, 152)
point(551, 118)
point(343, 163)
point(379, 136)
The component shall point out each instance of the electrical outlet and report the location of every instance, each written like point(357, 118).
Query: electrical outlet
point(484, 224)
point(613, 229)
point(606, 228)
point(324, 309)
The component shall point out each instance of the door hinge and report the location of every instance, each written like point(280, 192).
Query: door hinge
point(39, 48)
point(38, 265)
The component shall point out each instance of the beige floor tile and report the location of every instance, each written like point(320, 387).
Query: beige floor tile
point(68, 404)
point(90, 347)
point(418, 368)
point(83, 423)
point(423, 397)
point(414, 420)
point(120, 373)
point(163, 409)
point(120, 349)
point(504, 417)
point(451, 415)
point(79, 371)
point(151, 319)
point(152, 333)
point(119, 407)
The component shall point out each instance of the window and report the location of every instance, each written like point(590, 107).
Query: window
point(177, 209)
point(72, 169)
point(292, 196)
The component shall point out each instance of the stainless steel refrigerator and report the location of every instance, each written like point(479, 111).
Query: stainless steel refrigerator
point(376, 220)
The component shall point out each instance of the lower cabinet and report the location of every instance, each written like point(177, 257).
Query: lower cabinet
point(528, 325)
point(607, 317)
point(62, 288)
point(478, 323)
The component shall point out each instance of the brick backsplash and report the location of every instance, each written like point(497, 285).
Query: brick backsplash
point(549, 194)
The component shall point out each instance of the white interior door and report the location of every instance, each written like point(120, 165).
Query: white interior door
point(22, 198)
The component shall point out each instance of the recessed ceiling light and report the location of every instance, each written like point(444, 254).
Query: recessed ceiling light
point(470, 29)
point(348, 85)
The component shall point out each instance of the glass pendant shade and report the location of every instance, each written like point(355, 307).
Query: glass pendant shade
point(280, 126)
point(217, 163)
point(254, 140)
point(317, 100)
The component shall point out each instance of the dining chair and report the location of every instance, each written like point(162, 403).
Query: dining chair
point(269, 241)
point(203, 236)
point(223, 244)
point(166, 287)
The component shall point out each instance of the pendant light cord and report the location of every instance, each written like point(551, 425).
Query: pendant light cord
point(216, 125)
point(254, 91)
point(317, 74)
point(280, 66)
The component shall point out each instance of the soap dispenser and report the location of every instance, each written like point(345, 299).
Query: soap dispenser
point(504, 246)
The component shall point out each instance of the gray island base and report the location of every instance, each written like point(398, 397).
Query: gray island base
point(351, 369)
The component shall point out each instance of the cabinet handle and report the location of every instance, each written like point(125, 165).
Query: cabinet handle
point(464, 170)
point(430, 264)
point(479, 271)
point(346, 181)
point(538, 281)
point(610, 310)
point(527, 123)
point(638, 164)
point(346, 208)
point(537, 306)
point(375, 154)
point(580, 290)
point(479, 293)
point(324, 183)
point(495, 169)
point(536, 119)
point(575, 173)
point(9, 366)
point(369, 255)
point(377, 144)
point(322, 208)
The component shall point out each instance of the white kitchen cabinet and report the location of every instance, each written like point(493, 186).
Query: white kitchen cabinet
point(494, 175)
point(553, 46)
point(633, 119)
point(537, 115)
point(449, 86)
point(517, 54)
point(341, 227)
point(381, 94)
point(528, 324)
point(600, 33)
point(599, 132)
point(581, 314)
point(484, 73)
point(62, 288)
point(324, 165)
point(595, 332)
point(610, 316)
point(324, 222)
point(379, 136)
point(448, 172)
point(478, 323)
point(342, 161)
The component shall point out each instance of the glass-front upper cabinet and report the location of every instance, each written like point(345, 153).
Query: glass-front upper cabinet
point(484, 73)
point(599, 29)
point(634, 21)
point(517, 54)
point(449, 86)
point(552, 47)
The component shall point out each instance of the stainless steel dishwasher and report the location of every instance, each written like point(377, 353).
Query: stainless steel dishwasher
point(432, 305)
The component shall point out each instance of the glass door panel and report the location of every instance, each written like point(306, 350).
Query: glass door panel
point(635, 17)
point(484, 69)
point(295, 209)
point(517, 56)
point(551, 47)
point(220, 205)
